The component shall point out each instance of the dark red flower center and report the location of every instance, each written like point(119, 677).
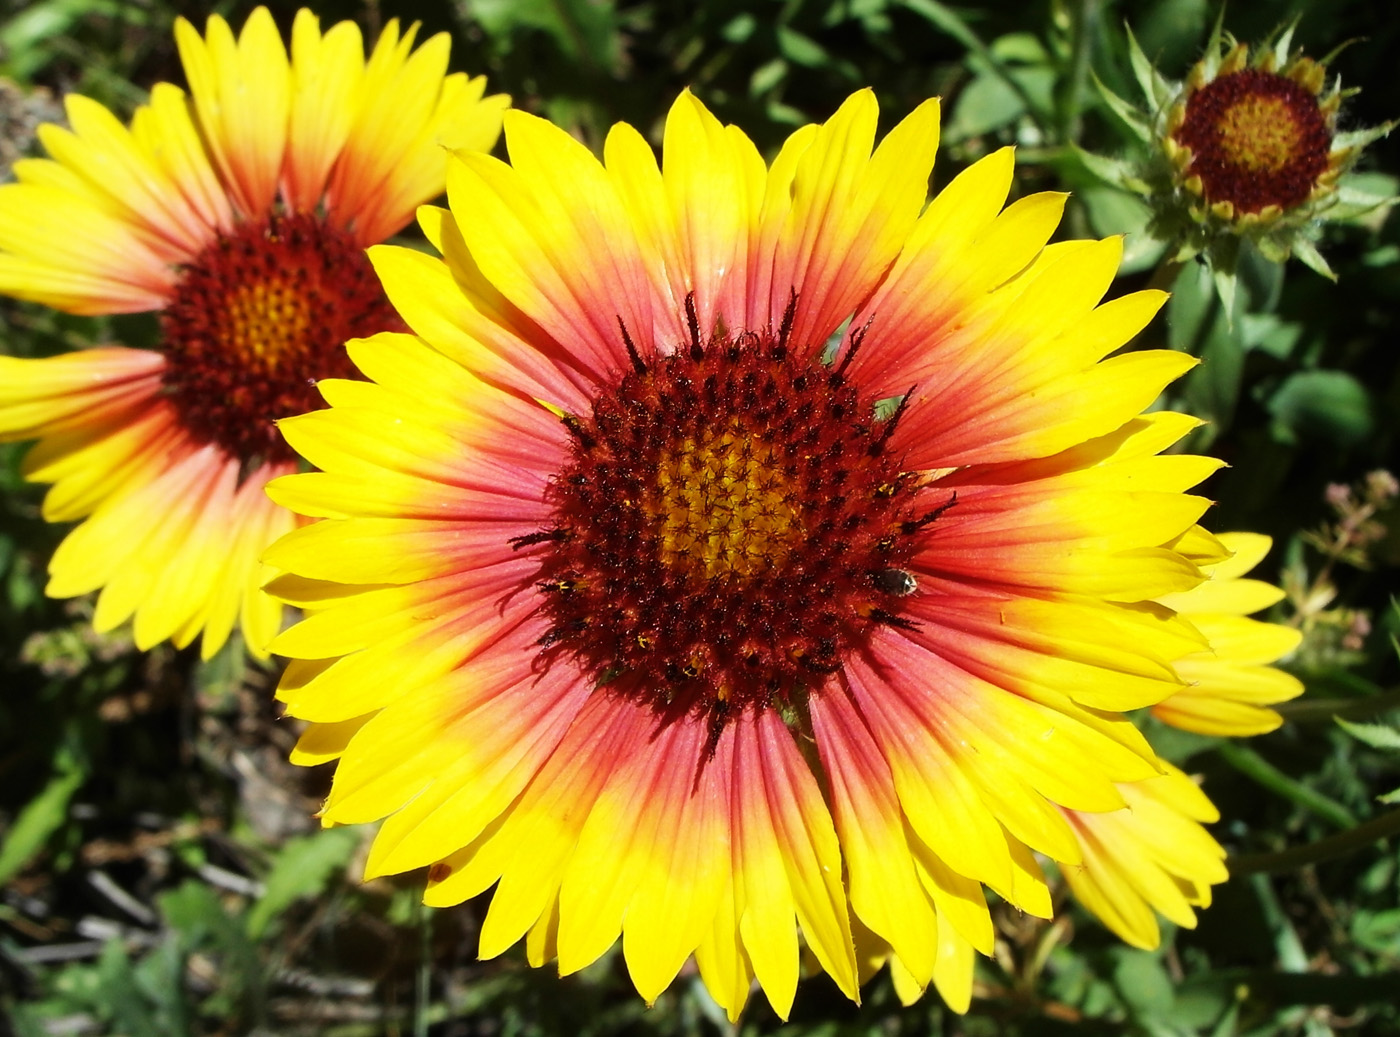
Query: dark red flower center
point(258, 316)
point(1257, 139)
point(730, 524)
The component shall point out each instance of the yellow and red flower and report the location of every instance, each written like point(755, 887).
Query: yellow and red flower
point(1152, 854)
point(239, 213)
point(1231, 685)
point(1155, 853)
point(734, 548)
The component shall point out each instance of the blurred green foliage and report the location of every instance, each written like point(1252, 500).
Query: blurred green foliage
point(161, 868)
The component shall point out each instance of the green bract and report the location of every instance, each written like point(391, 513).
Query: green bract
point(1243, 150)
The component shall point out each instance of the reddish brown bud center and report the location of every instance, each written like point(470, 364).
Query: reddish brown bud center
point(1257, 139)
point(730, 525)
point(258, 316)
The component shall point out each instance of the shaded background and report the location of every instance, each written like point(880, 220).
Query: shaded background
point(162, 874)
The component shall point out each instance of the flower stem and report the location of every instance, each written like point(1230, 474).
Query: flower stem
point(1338, 845)
point(1301, 711)
point(946, 20)
point(1086, 20)
point(1252, 765)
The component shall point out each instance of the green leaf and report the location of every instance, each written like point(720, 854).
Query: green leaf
point(26, 37)
point(119, 995)
point(1191, 309)
point(585, 30)
point(944, 19)
point(987, 103)
point(160, 975)
point(784, 114)
point(1285, 41)
point(1141, 251)
point(1352, 205)
point(739, 28)
point(1153, 84)
point(1377, 736)
point(1115, 171)
point(1197, 324)
point(1327, 405)
point(201, 923)
point(1143, 983)
point(194, 911)
point(800, 49)
point(1113, 211)
point(1360, 138)
point(1370, 183)
point(1226, 281)
point(1132, 117)
point(1022, 48)
point(42, 816)
point(1269, 334)
point(1037, 86)
point(1198, 1007)
point(1378, 931)
point(767, 76)
point(1311, 258)
point(301, 869)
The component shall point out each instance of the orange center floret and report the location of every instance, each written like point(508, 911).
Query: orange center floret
point(1259, 133)
point(1257, 139)
point(258, 316)
point(729, 526)
point(721, 505)
point(267, 320)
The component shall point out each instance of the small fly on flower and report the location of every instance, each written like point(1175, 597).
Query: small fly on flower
point(898, 582)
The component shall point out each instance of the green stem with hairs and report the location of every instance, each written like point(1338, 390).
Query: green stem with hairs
point(1252, 765)
point(1086, 21)
point(1363, 835)
point(1304, 710)
point(946, 20)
